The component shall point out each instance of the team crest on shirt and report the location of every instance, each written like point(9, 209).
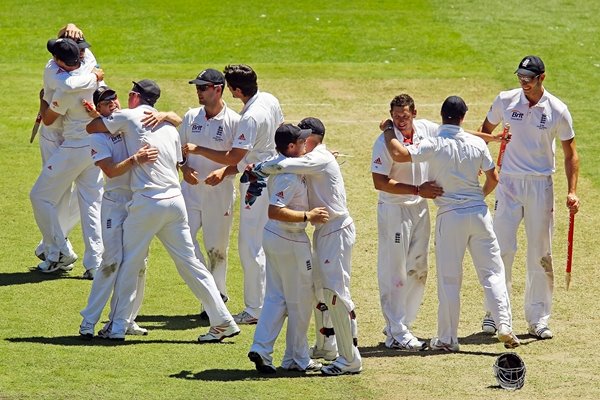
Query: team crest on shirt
point(543, 120)
point(218, 137)
point(308, 265)
point(516, 115)
point(280, 195)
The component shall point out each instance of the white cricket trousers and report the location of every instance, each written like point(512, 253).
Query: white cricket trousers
point(402, 265)
point(67, 207)
point(114, 212)
point(210, 208)
point(167, 220)
point(252, 256)
point(529, 198)
point(455, 231)
point(289, 292)
point(70, 163)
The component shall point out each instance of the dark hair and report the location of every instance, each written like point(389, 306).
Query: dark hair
point(243, 77)
point(403, 100)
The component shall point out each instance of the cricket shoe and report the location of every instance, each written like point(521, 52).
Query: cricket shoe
point(260, 364)
point(437, 344)
point(65, 262)
point(39, 253)
point(412, 344)
point(89, 274)
point(337, 369)
point(313, 366)
point(328, 355)
point(136, 330)
point(86, 330)
point(245, 318)
point(540, 331)
point(488, 325)
point(217, 333)
point(506, 336)
point(48, 267)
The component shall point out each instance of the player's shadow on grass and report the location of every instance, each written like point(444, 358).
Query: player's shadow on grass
point(79, 341)
point(171, 322)
point(32, 276)
point(228, 375)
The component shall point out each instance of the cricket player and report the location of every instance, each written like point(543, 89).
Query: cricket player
point(526, 192)
point(289, 288)
point(70, 163)
point(463, 220)
point(332, 241)
point(403, 225)
point(158, 209)
point(110, 155)
point(254, 142)
point(210, 208)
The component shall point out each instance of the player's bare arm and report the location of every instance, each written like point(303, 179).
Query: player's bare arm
point(48, 116)
point(143, 155)
point(428, 190)
point(154, 118)
point(318, 215)
point(572, 173)
point(396, 149)
point(491, 180)
point(96, 126)
point(225, 157)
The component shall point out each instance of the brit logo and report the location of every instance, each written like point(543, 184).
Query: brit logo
point(116, 138)
point(516, 116)
point(197, 128)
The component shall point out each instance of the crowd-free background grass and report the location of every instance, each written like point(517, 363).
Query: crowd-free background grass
point(342, 61)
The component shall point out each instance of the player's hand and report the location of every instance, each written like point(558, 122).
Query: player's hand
point(190, 148)
point(90, 109)
point(386, 123)
point(430, 190)
point(99, 72)
point(146, 154)
point(190, 175)
point(499, 137)
point(573, 203)
point(215, 177)
point(153, 118)
point(318, 215)
point(72, 31)
point(42, 94)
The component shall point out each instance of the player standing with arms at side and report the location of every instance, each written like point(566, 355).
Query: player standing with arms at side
point(526, 192)
point(289, 266)
point(403, 225)
point(332, 241)
point(463, 220)
point(158, 209)
point(254, 142)
point(209, 208)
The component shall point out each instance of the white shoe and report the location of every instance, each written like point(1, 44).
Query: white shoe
point(217, 333)
point(313, 366)
point(540, 331)
point(136, 330)
point(328, 355)
point(506, 336)
point(89, 274)
point(437, 344)
point(67, 260)
point(334, 369)
point(260, 364)
point(47, 267)
point(245, 319)
point(488, 325)
point(86, 330)
point(412, 344)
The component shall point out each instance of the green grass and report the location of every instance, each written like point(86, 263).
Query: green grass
point(342, 61)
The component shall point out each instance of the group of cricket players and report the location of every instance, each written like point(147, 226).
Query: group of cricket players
point(117, 170)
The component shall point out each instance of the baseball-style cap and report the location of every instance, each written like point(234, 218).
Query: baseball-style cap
point(531, 66)
point(454, 108)
point(148, 89)
point(65, 50)
point(288, 133)
point(82, 43)
point(104, 93)
point(209, 76)
point(314, 124)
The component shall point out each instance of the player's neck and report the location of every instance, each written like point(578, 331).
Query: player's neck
point(534, 96)
point(213, 111)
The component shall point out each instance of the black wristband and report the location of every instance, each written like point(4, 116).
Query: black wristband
point(305, 218)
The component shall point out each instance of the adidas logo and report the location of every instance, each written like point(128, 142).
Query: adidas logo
point(248, 208)
point(327, 261)
point(377, 161)
point(242, 137)
point(50, 167)
point(94, 152)
point(280, 195)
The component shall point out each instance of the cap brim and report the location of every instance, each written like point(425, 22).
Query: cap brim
point(108, 94)
point(83, 45)
point(526, 72)
point(304, 133)
point(201, 82)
